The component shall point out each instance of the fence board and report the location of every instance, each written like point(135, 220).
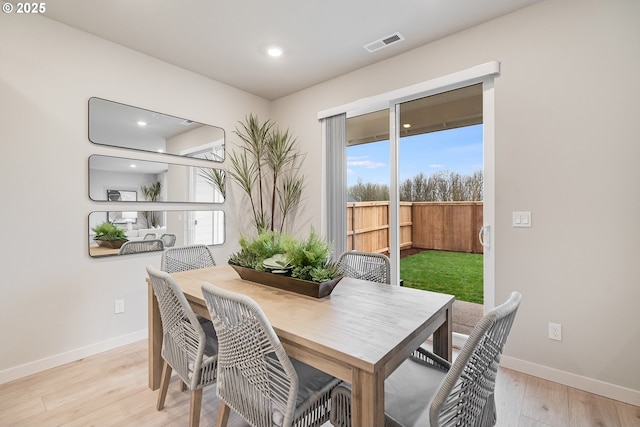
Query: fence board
point(451, 226)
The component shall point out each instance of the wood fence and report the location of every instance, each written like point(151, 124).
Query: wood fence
point(448, 226)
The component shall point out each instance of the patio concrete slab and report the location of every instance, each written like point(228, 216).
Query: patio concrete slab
point(465, 316)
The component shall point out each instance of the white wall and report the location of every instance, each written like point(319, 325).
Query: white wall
point(100, 181)
point(56, 303)
point(567, 150)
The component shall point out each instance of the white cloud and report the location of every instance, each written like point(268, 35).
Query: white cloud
point(436, 166)
point(365, 163)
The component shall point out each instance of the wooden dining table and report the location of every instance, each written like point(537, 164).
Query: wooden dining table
point(360, 333)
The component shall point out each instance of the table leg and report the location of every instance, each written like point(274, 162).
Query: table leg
point(367, 399)
point(154, 340)
point(442, 338)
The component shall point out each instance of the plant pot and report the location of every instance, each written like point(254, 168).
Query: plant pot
point(111, 244)
point(287, 283)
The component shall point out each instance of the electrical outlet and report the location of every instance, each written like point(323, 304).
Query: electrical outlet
point(118, 306)
point(555, 331)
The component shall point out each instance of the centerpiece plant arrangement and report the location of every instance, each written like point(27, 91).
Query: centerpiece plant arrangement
point(109, 235)
point(280, 253)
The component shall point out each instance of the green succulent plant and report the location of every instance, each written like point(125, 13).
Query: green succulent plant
point(277, 264)
point(307, 259)
point(307, 255)
point(109, 232)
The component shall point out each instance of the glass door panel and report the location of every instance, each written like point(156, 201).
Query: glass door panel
point(440, 177)
point(368, 169)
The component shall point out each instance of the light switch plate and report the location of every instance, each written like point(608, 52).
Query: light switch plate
point(522, 219)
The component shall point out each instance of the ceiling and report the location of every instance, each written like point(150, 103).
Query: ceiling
point(447, 110)
point(227, 40)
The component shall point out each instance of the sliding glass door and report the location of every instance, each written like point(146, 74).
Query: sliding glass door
point(438, 138)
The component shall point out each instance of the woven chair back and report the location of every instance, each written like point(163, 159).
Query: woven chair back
point(466, 395)
point(183, 340)
point(168, 240)
point(255, 376)
point(186, 258)
point(134, 247)
point(365, 266)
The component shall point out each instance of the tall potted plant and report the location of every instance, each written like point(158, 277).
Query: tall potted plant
point(151, 193)
point(267, 170)
point(213, 176)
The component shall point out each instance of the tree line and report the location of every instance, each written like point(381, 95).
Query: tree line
point(443, 186)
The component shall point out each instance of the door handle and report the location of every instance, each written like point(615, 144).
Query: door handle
point(484, 236)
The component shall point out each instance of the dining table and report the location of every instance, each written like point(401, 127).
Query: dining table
point(360, 333)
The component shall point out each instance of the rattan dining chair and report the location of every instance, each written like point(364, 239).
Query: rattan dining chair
point(365, 266)
point(168, 239)
point(256, 377)
point(189, 347)
point(186, 258)
point(426, 390)
point(150, 236)
point(138, 246)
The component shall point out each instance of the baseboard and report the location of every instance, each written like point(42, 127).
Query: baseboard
point(69, 356)
point(590, 385)
point(459, 340)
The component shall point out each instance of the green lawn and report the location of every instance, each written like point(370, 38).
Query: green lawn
point(455, 273)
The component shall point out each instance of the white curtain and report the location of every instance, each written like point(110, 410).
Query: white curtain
point(335, 131)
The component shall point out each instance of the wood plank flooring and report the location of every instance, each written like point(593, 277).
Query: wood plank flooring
point(110, 389)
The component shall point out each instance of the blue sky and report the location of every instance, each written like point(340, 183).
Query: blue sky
point(455, 150)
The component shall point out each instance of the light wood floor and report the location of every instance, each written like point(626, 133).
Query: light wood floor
point(110, 389)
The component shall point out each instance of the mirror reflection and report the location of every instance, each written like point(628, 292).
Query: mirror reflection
point(120, 125)
point(131, 235)
point(117, 179)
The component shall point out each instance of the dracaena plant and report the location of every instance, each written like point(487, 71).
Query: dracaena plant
point(151, 193)
point(213, 176)
point(266, 167)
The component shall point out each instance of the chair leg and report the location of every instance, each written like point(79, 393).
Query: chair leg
point(223, 415)
point(164, 384)
point(183, 386)
point(196, 405)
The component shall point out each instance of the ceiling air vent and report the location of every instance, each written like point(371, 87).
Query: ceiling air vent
point(383, 42)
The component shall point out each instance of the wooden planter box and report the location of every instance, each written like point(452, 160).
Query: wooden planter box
point(287, 283)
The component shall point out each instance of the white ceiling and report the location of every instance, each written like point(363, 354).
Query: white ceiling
point(226, 40)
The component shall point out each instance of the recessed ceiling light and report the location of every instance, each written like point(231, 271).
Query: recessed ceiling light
point(160, 150)
point(142, 123)
point(132, 165)
point(406, 125)
point(274, 51)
